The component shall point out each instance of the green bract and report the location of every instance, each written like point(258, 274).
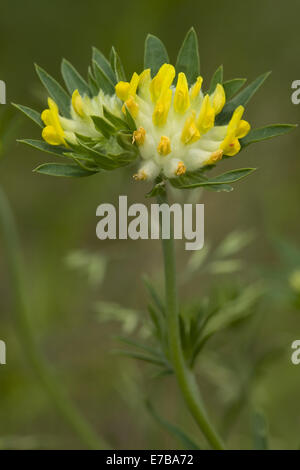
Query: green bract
point(100, 124)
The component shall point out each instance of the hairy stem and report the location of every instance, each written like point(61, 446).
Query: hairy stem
point(26, 336)
point(185, 377)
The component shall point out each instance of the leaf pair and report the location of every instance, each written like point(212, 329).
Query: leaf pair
point(187, 61)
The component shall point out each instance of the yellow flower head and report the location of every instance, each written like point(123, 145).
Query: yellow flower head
point(185, 115)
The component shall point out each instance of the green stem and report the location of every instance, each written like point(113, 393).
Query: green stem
point(26, 335)
point(185, 377)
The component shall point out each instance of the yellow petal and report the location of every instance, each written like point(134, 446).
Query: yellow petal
point(195, 90)
point(145, 76)
point(140, 176)
point(139, 136)
point(46, 117)
point(215, 157)
point(231, 148)
point(164, 146)
point(77, 103)
point(122, 89)
point(162, 107)
point(181, 96)
point(133, 84)
point(53, 131)
point(181, 169)
point(162, 81)
point(218, 99)
point(243, 129)
point(132, 106)
point(206, 117)
point(190, 133)
point(50, 135)
point(144, 83)
point(235, 120)
point(52, 105)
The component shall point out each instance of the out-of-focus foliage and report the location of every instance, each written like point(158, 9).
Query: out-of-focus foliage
point(56, 219)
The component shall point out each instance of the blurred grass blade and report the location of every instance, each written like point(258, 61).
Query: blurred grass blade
point(55, 90)
point(61, 169)
point(155, 54)
point(231, 87)
point(154, 295)
point(188, 60)
point(216, 78)
point(142, 346)
point(31, 113)
point(260, 431)
point(234, 242)
point(175, 431)
point(27, 338)
point(265, 133)
point(231, 313)
point(73, 79)
point(141, 357)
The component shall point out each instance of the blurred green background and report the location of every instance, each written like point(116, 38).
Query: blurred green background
point(56, 220)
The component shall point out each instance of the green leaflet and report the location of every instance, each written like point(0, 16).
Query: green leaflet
point(103, 126)
point(44, 147)
point(101, 160)
point(129, 119)
point(240, 99)
point(116, 121)
point(188, 58)
point(102, 80)
point(92, 82)
point(216, 78)
point(62, 169)
point(125, 141)
point(103, 64)
point(231, 87)
point(158, 189)
point(155, 54)
point(73, 79)
point(265, 133)
point(197, 179)
point(31, 113)
point(123, 158)
point(55, 90)
point(117, 66)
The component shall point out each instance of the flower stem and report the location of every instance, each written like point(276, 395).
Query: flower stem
point(26, 336)
point(185, 377)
